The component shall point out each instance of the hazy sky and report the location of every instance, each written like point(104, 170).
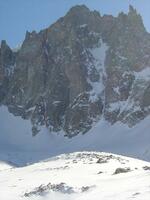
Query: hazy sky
point(17, 16)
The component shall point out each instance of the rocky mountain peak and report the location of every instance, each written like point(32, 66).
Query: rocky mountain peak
point(4, 48)
point(29, 35)
point(6, 55)
point(7, 62)
point(135, 19)
point(81, 10)
point(81, 16)
point(82, 68)
point(132, 10)
point(3, 44)
point(78, 9)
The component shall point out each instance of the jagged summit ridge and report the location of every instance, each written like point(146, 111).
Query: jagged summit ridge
point(82, 68)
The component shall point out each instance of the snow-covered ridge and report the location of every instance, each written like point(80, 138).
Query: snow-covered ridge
point(78, 176)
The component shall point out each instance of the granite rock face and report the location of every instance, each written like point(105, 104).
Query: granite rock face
point(82, 68)
point(7, 65)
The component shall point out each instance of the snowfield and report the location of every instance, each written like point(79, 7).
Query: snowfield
point(77, 176)
point(29, 170)
point(18, 146)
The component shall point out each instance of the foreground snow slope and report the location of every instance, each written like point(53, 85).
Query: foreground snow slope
point(78, 176)
point(19, 147)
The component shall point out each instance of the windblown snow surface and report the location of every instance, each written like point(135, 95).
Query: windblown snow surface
point(77, 176)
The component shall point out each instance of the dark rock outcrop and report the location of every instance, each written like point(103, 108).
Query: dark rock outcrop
point(83, 67)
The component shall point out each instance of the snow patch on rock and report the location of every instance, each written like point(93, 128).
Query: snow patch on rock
point(98, 62)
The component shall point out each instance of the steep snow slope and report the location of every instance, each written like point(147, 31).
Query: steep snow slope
point(17, 145)
point(78, 176)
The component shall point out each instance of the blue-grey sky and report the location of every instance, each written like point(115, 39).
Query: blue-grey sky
point(17, 16)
